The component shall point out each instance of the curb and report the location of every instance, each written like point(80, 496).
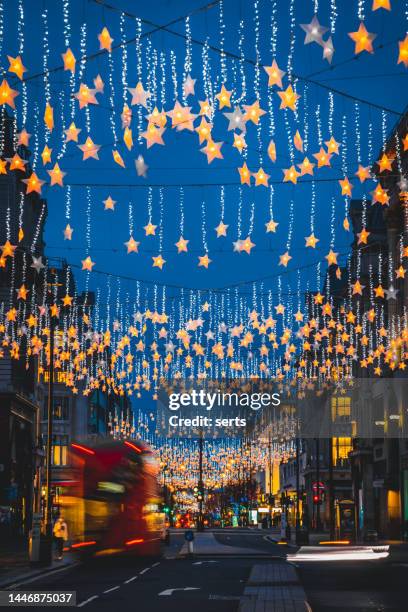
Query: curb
point(34, 575)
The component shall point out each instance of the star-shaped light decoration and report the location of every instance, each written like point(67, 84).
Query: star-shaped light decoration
point(331, 258)
point(328, 50)
point(67, 300)
point(239, 142)
point(16, 162)
point(132, 246)
point(46, 155)
point(221, 229)
point(188, 86)
point(7, 94)
point(85, 96)
point(33, 183)
point(37, 264)
point(381, 4)
point(22, 292)
point(117, 158)
point(89, 149)
point(288, 98)
point(158, 262)
point(358, 288)
point(68, 232)
point(363, 173)
point(212, 150)
point(261, 178)
point(56, 175)
point(298, 141)
point(363, 236)
point(72, 133)
point(403, 52)
point(150, 229)
point(49, 116)
point(16, 66)
point(139, 95)
point(204, 130)
point(247, 245)
point(271, 226)
point(290, 175)
point(314, 31)
point(306, 167)
point(245, 175)
point(253, 112)
point(87, 264)
point(69, 60)
point(23, 138)
point(385, 163)
point(153, 135)
point(236, 119)
point(128, 138)
point(204, 261)
point(98, 84)
point(379, 291)
point(380, 195)
point(3, 163)
point(363, 39)
point(105, 40)
point(284, 259)
point(181, 245)
point(346, 187)
point(332, 146)
point(391, 293)
point(109, 203)
point(272, 151)
point(311, 241)
point(141, 166)
point(224, 97)
point(275, 74)
point(323, 158)
point(206, 109)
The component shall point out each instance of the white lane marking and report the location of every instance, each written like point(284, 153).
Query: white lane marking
point(130, 580)
point(86, 601)
point(156, 564)
point(171, 591)
point(41, 575)
point(146, 569)
point(202, 562)
point(115, 588)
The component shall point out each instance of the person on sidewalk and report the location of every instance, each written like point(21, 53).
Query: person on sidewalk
point(60, 535)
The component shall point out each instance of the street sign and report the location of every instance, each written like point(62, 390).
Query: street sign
point(189, 535)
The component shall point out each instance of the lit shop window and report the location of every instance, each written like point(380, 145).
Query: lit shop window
point(341, 449)
point(341, 408)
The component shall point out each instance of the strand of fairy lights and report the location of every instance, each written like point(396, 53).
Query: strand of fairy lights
point(312, 207)
point(154, 65)
point(20, 29)
point(163, 78)
point(319, 125)
point(138, 49)
point(292, 26)
point(204, 226)
point(149, 204)
point(187, 60)
point(207, 80)
point(82, 67)
point(1, 31)
point(361, 9)
point(257, 76)
point(112, 116)
point(384, 129)
point(239, 213)
point(148, 62)
point(161, 218)
point(305, 117)
point(124, 55)
point(331, 113)
point(357, 130)
point(181, 209)
point(222, 202)
point(36, 132)
point(241, 63)
point(46, 53)
point(333, 16)
point(130, 218)
point(174, 74)
point(223, 60)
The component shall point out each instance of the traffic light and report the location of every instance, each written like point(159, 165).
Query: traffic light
point(195, 491)
point(317, 500)
point(166, 509)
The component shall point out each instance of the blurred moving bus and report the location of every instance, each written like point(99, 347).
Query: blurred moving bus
point(113, 503)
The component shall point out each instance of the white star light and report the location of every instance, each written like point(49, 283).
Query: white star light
point(314, 31)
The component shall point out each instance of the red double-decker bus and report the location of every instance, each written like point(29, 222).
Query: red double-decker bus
point(113, 503)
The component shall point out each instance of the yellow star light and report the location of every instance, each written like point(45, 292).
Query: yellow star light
point(246, 245)
point(311, 241)
point(288, 98)
point(150, 229)
point(89, 149)
point(284, 259)
point(357, 288)
point(7, 94)
point(56, 175)
point(244, 175)
point(72, 133)
point(272, 151)
point(221, 229)
point(379, 291)
point(153, 135)
point(182, 245)
point(261, 178)
point(23, 138)
point(346, 187)
point(298, 142)
point(306, 167)
point(87, 264)
point(204, 130)
point(205, 109)
point(105, 40)
point(16, 66)
point(224, 97)
point(271, 226)
point(128, 138)
point(17, 163)
point(290, 175)
point(403, 52)
point(239, 142)
point(385, 163)
point(46, 155)
point(69, 60)
point(117, 158)
point(400, 272)
point(68, 232)
point(275, 74)
point(3, 163)
point(253, 112)
point(158, 262)
point(323, 158)
point(132, 246)
point(85, 96)
point(204, 261)
point(212, 150)
point(384, 4)
point(109, 203)
point(33, 183)
point(331, 257)
point(363, 236)
point(363, 173)
point(22, 293)
point(363, 39)
point(332, 146)
point(49, 116)
point(67, 300)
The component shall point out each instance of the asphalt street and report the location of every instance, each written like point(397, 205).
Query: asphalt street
point(171, 584)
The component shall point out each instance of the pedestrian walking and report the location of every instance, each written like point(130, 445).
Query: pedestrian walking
point(60, 535)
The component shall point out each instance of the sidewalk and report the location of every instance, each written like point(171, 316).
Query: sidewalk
point(15, 564)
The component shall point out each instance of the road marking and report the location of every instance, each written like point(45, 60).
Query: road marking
point(146, 569)
point(202, 562)
point(156, 564)
point(225, 597)
point(115, 588)
point(171, 591)
point(130, 580)
point(86, 601)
